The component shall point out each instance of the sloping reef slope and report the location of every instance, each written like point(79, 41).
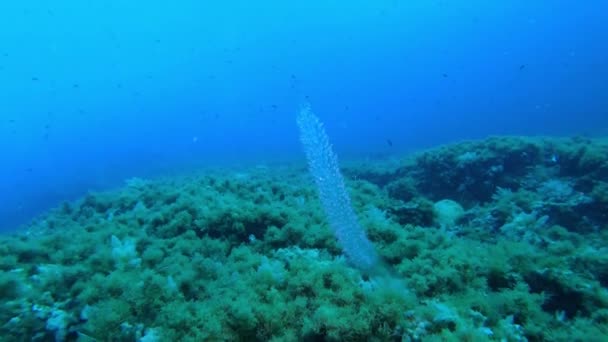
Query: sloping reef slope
point(504, 239)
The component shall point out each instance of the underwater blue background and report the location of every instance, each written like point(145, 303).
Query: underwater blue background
point(95, 92)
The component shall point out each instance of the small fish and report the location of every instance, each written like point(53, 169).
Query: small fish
point(554, 158)
point(521, 67)
point(444, 75)
point(389, 142)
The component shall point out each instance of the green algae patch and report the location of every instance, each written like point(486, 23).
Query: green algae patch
point(501, 239)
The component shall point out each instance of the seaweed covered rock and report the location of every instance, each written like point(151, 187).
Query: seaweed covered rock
point(498, 239)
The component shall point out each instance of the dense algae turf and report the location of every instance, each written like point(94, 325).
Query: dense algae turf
point(501, 239)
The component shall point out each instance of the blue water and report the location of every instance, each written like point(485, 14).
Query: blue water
point(93, 92)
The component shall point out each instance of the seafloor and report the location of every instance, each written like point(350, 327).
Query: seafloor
point(503, 239)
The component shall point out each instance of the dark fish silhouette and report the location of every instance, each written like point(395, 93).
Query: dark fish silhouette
point(389, 142)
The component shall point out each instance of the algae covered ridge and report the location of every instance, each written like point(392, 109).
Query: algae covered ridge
point(504, 239)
